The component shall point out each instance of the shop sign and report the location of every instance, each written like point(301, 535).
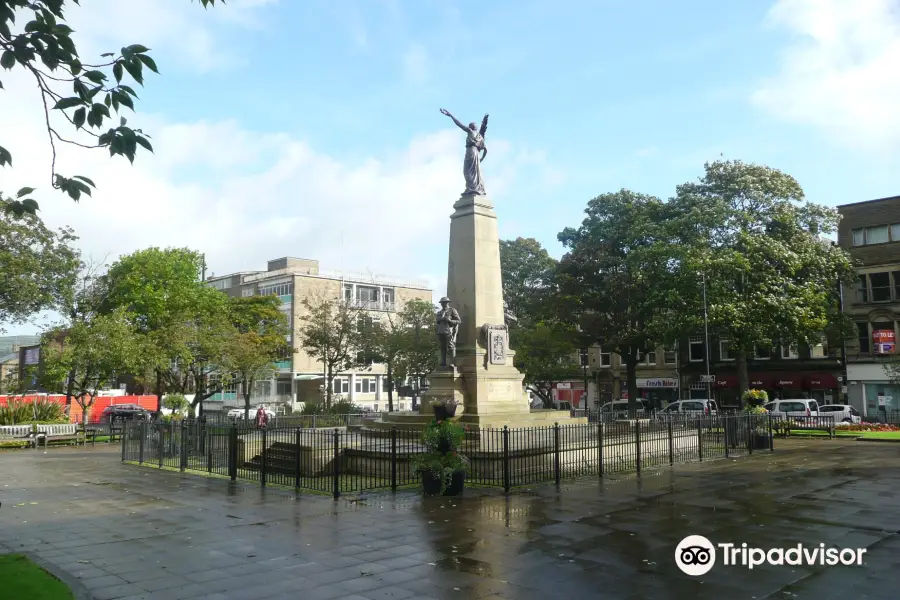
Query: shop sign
point(657, 383)
point(883, 341)
point(564, 385)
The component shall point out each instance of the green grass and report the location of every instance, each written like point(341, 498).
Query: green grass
point(24, 580)
point(880, 435)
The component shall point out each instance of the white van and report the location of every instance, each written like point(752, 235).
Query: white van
point(619, 408)
point(799, 407)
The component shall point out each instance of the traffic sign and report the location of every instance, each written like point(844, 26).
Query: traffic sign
point(707, 379)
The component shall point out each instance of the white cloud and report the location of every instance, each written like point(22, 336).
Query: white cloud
point(840, 72)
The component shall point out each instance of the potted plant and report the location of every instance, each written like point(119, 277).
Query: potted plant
point(444, 408)
point(441, 466)
point(759, 429)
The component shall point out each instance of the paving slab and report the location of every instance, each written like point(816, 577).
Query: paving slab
point(125, 531)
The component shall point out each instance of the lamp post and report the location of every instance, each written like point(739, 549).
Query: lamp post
point(584, 366)
point(706, 343)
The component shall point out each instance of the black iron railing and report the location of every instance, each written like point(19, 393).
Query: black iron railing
point(339, 460)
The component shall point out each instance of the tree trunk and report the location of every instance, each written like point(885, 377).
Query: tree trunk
point(159, 393)
point(329, 378)
point(390, 381)
point(631, 379)
point(245, 390)
point(740, 359)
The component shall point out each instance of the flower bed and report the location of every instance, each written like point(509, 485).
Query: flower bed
point(867, 427)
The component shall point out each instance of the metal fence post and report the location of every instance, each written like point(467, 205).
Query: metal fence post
point(232, 452)
point(771, 437)
point(600, 447)
point(206, 440)
point(750, 433)
point(725, 433)
point(393, 459)
point(143, 433)
point(671, 443)
point(264, 459)
point(506, 482)
point(184, 448)
point(160, 444)
point(637, 445)
point(700, 439)
point(337, 467)
point(556, 451)
point(297, 458)
point(124, 437)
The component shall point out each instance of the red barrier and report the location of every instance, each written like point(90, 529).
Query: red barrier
point(96, 410)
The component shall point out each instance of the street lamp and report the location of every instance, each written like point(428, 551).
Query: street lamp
point(706, 343)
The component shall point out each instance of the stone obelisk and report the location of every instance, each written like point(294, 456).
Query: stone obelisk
point(482, 379)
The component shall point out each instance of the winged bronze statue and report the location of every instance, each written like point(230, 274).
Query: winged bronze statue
point(476, 152)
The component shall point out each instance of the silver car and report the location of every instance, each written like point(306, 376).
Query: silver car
point(800, 407)
point(843, 413)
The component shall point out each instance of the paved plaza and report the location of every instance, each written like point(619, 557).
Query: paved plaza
point(124, 531)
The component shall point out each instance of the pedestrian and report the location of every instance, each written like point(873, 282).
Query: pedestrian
point(262, 418)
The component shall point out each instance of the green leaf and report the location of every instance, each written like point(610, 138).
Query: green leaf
point(79, 117)
point(7, 60)
point(30, 205)
point(136, 49)
point(108, 54)
point(5, 157)
point(123, 121)
point(117, 71)
point(134, 69)
point(100, 109)
point(143, 142)
point(151, 64)
point(65, 103)
point(96, 76)
point(84, 179)
point(24, 192)
point(129, 90)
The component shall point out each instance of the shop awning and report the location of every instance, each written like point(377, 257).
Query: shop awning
point(787, 380)
point(761, 381)
point(821, 381)
point(726, 381)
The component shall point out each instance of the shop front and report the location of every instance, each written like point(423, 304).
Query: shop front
point(571, 392)
point(870, 389)
point(659, 392)
point(823, 387)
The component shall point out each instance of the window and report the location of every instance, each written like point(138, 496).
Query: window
point(583, 354)
point(246, 292)
point(789, 352)
point(364, 385)
point(348, 292)
point(762, 353)
point(895, 232)
point(605, 358)
point(881, 286)
point(724, 352)
point(651, 358)
point(819, 350)
point(387, 297)
point(863, 335)
point(696, 349)
point(221, 284)
point(670, 356)
point(366, 295)
point(862, 290)
point(859, 237)
point(877, 234)
point(340, 385)
point(283, 387)
point(277, 289)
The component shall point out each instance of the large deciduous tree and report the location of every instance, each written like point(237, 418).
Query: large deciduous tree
point(86, 356)
point(261, 329)
point(38, 266)
point(527, 271)
point(331, 333)
point(617, 282)
point(420, 352)
point(545, 353)
point(78, 96)
point(770, 275)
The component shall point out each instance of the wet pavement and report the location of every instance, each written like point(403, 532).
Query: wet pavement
point(131, 532)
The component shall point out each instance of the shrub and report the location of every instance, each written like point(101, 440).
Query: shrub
point(177, 403)
point(442, 458)
point(17, 411)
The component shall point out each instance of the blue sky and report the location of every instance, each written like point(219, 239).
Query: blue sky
point(312, 128)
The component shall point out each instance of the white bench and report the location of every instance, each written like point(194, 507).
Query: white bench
point(67, 431)
point(15, 432)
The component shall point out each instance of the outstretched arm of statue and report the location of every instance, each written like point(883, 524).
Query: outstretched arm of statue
point(446, 112)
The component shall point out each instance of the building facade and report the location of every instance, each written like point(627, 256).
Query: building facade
point(870, 231)
point(300, 377)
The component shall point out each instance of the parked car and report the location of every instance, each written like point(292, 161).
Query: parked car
point(693, 408)
point(843, 413)
point(619, 408)
point(125, 412)
point(799, 407)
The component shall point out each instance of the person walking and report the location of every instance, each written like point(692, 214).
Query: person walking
point(262, 418)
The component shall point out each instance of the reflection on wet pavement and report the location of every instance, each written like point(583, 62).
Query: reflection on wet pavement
point(130, 532)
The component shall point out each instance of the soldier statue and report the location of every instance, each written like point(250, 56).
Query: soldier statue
point(447, 324)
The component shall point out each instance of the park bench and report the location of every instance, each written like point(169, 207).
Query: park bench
point(784, 424)
point(57, 433)
point(16, 433)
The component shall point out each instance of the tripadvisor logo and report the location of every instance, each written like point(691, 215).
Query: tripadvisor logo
point(695, 555)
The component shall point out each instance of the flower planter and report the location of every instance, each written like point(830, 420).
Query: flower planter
point(431, 483)
point(444, 411)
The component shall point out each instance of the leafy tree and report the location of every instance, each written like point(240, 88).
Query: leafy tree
point(183, 322)
point(331, 333)
point(546, 355)
point(419, 354)
point(38, 266)
point(34, 36)
point(387, 340)
point(617, 282)
point(260, 340)
point(176, 403)
point(527, 271)
point(86, 357)
point(770, 276)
